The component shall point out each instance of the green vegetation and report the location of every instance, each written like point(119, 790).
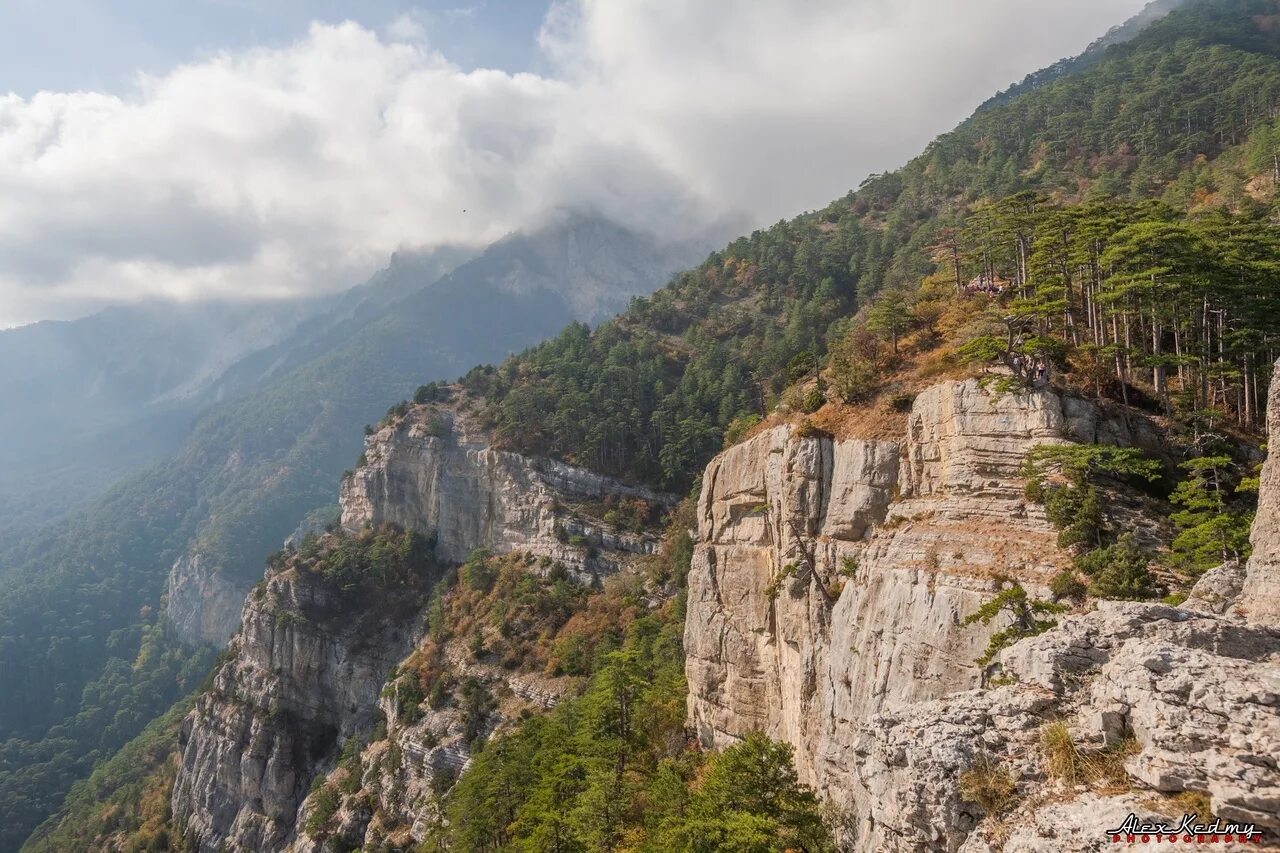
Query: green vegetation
point(387, 562)
point(1216, 513)
point(125, 799)
point(113, 707)
point(1028, 617)
point(1120, 571)
point(609, 768)
point(1051, 199)
point(1116, 568)
point(1138, 300)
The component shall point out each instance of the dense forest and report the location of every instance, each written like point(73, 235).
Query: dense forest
point(1114, 223)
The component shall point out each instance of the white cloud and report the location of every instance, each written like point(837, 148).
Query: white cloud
point(407, 26)
point(299, 169)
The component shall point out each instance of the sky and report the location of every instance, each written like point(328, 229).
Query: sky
point(227, 149)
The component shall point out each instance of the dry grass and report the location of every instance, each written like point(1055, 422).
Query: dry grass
point(1102, 769)
point(1196, 803)
point(989, 786)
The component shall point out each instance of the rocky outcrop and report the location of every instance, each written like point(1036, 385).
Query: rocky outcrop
point(435, 471)
point(911, 534)
point(308, 667)
point(1198, 694)
point(1260, 595)
point(827, 607)
point(202, 604)
point(397, 799)
point(303, 675)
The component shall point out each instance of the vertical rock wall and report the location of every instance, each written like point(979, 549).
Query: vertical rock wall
point(909, 538)
point(1260, 596)
point(435, 473)
point(304, 674)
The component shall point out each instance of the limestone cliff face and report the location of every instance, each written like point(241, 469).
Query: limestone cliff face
point(826, 606)
point(303, 674)
point(202, 603)
point(1260, 596)
point(912, 533)
point(435, 472)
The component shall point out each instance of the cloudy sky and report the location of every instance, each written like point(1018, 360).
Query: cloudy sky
point(265, 148)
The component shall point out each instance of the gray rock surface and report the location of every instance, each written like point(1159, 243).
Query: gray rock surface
point(1260, 596)
point(875, 685)
point(435, 472)
point(1196, 691)
point(924, 526)
point(1218, 590)
point(201, 602)
point(304, 674)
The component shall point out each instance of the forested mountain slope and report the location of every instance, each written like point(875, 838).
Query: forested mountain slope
point(137, 376)
point(131, 375)
point(1185, 113)
point(82, 598)
point(1073, 228)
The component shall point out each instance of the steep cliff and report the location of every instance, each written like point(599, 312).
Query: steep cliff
point(302, 676)
point(331, 648)
point(827, 607)
point(914, 534)
point(435, 471)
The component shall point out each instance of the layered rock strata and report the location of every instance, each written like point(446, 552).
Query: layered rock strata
point(434, 471)
point(912, 534)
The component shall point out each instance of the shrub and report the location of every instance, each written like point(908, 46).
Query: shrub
point(814, 399)
point(324, 804)
point(437, 427)
point(807, 429)
point(856, 366)
point(1120, 571)
point(429, 393)
point(476, 572)
point(1077, 515)
point(439, 694)
point(902, 402)
point(1065, 584)
point(801, 365)
point(1025, 612)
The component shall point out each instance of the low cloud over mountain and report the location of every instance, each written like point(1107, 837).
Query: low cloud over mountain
point(276, 171)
